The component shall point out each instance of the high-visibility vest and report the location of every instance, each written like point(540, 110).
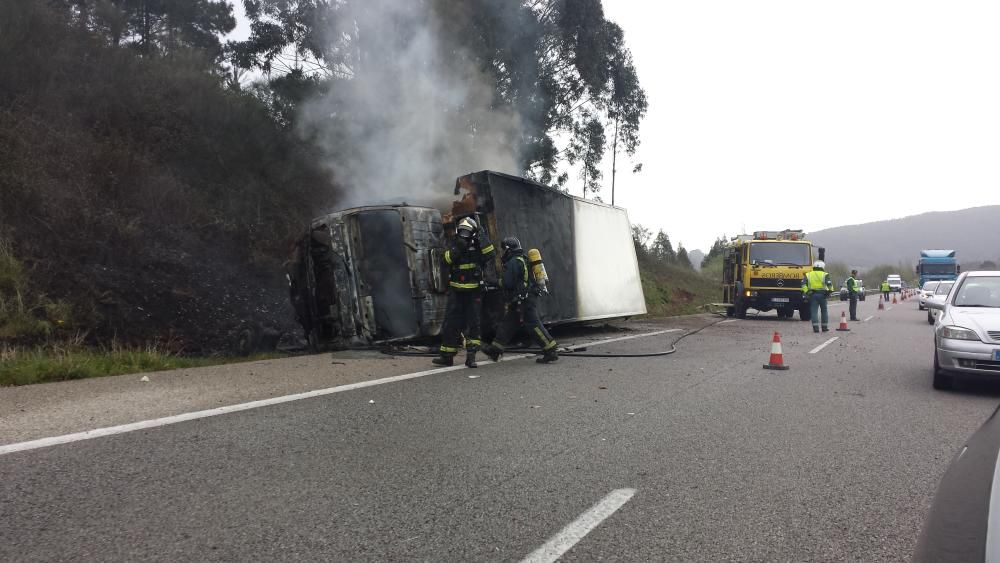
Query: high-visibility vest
point(816, 280)
point(886, 287)
point(852, 285)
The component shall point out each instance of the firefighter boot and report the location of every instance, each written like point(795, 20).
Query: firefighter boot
point(470, 359)
point(549, 356)
point(493, 352)
point(444, 360)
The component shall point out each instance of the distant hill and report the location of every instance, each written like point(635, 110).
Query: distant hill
point(972, 232)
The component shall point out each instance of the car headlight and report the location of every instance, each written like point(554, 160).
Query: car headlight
point(957, 333)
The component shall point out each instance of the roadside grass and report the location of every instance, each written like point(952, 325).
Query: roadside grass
point(25, 366)
point(672, 290)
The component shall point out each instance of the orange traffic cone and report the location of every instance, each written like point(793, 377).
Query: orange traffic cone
point(881, 305)
point(776, 361)
point(894, 302)
point(843, 322)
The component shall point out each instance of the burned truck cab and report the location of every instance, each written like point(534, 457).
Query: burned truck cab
point(369, 274)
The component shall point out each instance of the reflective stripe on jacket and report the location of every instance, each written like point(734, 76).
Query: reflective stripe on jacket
point(467, 266)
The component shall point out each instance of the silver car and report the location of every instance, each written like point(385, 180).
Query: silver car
point(925, 292)
point(967, 331)
point(940, 294)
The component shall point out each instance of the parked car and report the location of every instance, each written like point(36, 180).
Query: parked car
point(967, 329)
point(926, 292)
point(940, 294)
point(962, 522)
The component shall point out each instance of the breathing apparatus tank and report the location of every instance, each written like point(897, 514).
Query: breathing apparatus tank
point(538, 270)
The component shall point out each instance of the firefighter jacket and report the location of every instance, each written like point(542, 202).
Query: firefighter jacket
point(816, 281)
point(516, 282)
point(466, 264)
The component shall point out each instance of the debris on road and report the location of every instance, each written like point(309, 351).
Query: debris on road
point(145, 379)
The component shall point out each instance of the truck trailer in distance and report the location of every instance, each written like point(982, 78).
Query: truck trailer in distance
point(937, 265)
point(374, 274)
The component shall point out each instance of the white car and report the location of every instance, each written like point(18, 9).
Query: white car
point(940, 295)
point(926, 292)
point(967, 332)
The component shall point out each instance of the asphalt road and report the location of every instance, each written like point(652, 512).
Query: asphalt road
point(697, 456)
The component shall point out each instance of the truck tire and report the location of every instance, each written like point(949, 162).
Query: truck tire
point(730, 311)
point(741, 311)
point(804, 313)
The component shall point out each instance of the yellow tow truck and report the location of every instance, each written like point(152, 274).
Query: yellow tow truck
point(763, 271)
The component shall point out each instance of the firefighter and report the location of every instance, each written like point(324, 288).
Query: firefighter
point(522, 311)
point(817, 285)
point(466, 259)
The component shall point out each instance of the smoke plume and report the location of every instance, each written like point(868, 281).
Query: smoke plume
point(413, 111)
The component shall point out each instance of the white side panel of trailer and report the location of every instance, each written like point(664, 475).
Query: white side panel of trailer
point(607, 272)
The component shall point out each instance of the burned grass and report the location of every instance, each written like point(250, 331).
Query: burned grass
point(673, 290)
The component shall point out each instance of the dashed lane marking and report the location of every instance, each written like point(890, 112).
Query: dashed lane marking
point(184, 417)
point(868, 319)
point(824, 345)
point(579, 528)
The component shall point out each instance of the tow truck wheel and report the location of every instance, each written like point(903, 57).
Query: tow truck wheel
point(741, 310)
point(804, 313)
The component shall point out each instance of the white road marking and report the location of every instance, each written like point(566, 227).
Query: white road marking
point(868, 319)
point(888, 308)
point(184, 417)
point(579, 528)
point(823, 345)
point(621, 338)
point(729, 321)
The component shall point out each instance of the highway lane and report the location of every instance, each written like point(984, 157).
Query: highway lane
point(835, 459)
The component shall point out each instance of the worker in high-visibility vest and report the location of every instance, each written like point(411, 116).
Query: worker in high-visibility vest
point(817, 286)
point(886, 290)
point(853, 293)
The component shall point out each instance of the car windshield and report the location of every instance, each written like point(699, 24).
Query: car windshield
point(937, 268)
point(979, 292)
point(931, 286)
point(943, 288)
point(780, 253)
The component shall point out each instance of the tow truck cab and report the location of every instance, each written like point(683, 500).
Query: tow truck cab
point(764, 271)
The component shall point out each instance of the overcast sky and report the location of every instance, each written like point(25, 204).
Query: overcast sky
point(760, 110)
point(793, 114)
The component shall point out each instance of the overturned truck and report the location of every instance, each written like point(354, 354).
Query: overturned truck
point(374, 274)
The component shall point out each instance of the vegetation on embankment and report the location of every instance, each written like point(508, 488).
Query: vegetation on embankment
point(45, 364)
point(669, 281)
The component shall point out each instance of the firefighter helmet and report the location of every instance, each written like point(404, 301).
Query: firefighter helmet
point(467, 228)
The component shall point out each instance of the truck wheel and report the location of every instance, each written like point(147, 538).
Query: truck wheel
point(741, 311)
point(804, 313)
point(730, 311)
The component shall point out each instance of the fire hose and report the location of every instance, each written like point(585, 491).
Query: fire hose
point(571, 352)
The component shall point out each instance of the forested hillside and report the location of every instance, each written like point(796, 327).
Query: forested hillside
point(153, 176)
